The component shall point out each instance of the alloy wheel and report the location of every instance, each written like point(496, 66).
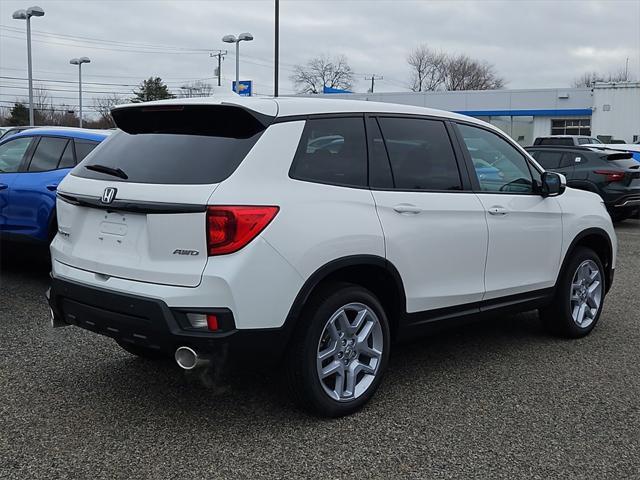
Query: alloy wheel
point(349, 352)
point(586, 294)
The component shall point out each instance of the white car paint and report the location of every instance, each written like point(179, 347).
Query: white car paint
point(450, 253)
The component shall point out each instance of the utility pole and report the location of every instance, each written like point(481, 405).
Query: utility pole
point(219, 54)
point(626, 70)
point(373, 79)
point(276, 49)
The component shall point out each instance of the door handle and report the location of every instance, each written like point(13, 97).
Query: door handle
point(405, 208)
point(498, 211)
point(52, 187)
point(3, 186)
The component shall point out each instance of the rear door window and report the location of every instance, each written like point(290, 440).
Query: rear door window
point(333, 151)
point(47, 154)
point(420, 154)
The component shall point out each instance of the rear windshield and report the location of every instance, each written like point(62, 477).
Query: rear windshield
point(185, 146)
point(554, 141)
point(622, 160)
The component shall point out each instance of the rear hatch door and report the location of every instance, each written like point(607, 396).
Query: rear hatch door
point(135, 208)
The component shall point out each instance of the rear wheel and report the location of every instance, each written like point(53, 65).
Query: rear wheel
point(579, 297)
point(143, 352)
point(339, 355)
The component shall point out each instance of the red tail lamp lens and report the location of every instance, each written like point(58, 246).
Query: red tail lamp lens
point(212, 322)
point(230, 228)
point(612, 175)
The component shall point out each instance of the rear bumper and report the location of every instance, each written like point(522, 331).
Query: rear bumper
point(150, 323)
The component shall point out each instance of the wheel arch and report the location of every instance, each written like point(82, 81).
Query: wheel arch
point(369, 271)
point(597, 240)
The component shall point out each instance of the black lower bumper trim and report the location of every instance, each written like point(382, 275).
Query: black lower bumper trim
point(151, 323)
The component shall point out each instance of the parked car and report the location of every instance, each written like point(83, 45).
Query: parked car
point(32, 164)
point(8, 131)
point(566, 140)
point(612, 174)
point(206, 229)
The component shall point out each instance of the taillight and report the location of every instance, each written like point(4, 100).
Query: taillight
point(230, 228)
point(611, 175)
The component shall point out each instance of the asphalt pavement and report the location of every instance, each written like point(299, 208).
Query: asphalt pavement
point(498, 399)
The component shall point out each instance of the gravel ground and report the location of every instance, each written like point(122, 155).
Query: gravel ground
point(498, 399)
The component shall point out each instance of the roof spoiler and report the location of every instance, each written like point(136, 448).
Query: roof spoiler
point(219, 120)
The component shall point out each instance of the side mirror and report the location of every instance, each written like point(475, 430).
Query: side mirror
point(553, 184)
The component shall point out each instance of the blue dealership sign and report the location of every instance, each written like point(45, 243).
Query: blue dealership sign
point(246, 87)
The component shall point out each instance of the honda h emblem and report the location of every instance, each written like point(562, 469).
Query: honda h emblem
point(109, 194)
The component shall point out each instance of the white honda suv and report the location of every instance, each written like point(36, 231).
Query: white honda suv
point(320, 232)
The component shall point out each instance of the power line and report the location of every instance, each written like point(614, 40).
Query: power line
point(93, 47)
point(84, 39)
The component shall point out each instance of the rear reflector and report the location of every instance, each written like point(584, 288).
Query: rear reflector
point(230, 228)
point(612, 175)
point(212, 322)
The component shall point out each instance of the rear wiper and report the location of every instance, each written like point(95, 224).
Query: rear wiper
point(116, 172)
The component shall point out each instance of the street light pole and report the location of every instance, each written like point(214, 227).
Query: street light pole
point(31, 119)
point(79, 62)
point(26, 15)
point(247, 37)
point(276, 49)
point(238, 68)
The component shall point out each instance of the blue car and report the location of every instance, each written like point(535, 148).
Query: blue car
point(32, 164)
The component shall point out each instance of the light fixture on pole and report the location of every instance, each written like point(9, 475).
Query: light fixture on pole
point(247, 37)
point(79, 62)
point(26, 15)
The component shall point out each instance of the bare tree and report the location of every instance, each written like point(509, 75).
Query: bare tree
point(103, 106)
point(323, 71)
point(431, 70)
point(465, 73)
point(428, 68)
point(196, 89)
point(589, 79)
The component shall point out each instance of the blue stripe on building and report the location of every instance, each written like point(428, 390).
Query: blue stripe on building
point(567, 112)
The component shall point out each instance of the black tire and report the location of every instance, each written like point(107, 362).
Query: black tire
point(557, 317)
point(142, 352)
point(302, 372)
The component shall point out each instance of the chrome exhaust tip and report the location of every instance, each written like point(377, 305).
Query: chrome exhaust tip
point(188, 359)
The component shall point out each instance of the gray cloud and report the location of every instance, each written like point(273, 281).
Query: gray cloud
point(531, 43)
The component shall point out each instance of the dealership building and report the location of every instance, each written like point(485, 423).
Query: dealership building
point(609, 111)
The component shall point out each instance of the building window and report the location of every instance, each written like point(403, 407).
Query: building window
point(571, 126)
point(520, 128)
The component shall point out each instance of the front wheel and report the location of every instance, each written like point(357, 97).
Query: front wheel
point(340, 351)
point(579, 298)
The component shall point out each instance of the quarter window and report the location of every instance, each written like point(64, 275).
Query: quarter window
point(84, 148)
point(47, 154)
point(67, 160)
point(11, 154)
point(498, 165)
point(332, 150)
point(420, 154)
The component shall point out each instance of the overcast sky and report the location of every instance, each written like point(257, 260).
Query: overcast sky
point(532, 43)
